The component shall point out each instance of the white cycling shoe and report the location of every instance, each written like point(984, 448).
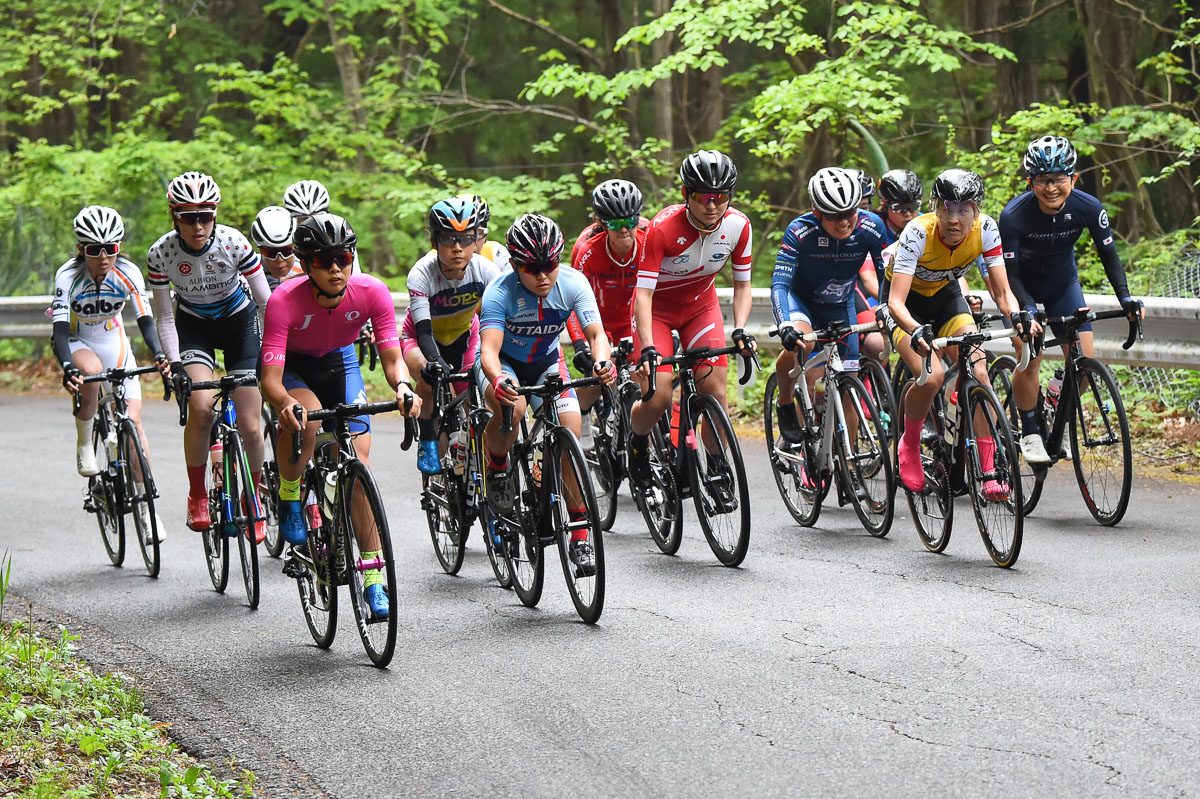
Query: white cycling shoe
point(85, 461)
point(1034, 450)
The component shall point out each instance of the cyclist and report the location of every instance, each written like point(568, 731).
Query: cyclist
point(309, 360)
point(814, 278)
point(440, 332)
point(933, 251)
point(686, 246)
point(305, 198)
point(1038, 229)
point(494, 251)
point(867, 183)
point(209, 266)
point(524, 311)
point(90, 290)
point(900, 193)
point(607, 253)
point(271, 232)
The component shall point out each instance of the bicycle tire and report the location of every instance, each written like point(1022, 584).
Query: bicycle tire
point(476, 472)
point(442, 502)
point(601, 465)
point(216, 544)
point(791, 464)
point(105, 498)
point(870, 464)
point(130, 447)
point(879, 388)
point(587, 591)
point(269, 490)
point(1000, 521)
point(710, 477)
point(378, 635)
point(318, 586)
point(660, 503)
point(1094, 414)
point(1000, 372)
point(522, 545)
point(932, 509)
point(241, 497)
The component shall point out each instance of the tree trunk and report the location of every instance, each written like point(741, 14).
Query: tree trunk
point(347, 64)
point(663, 95)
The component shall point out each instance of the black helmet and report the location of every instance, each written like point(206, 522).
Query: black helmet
point(616, 199)
point(1049, 155)
point(483, 214)
point(454, 215)
point(708, 170)
point(323, 233)
point(900, 186)
point(957, 186)
point(534, 239)
point(865, 181)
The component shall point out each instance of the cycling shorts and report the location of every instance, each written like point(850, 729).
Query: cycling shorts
point(113, 351)
point(461, 354)
point(526, 374)
point(238, 336)
point(947, 311)
point(334, 377)
point(819, 316)
point(1062, 300)
point(699, 325)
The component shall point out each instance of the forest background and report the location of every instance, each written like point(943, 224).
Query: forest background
point(394, 104)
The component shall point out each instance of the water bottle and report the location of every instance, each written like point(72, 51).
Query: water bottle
point(311, 511)
point(110, 443)
point(458, 450)
point(1054, 388)
point(537, 466)
point(951, 417)
point(329, 493)
point(586, 437)
point(819, 395)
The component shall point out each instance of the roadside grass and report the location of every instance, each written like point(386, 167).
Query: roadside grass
point(67, 732)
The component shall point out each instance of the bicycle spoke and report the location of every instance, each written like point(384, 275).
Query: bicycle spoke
point(1103, 451)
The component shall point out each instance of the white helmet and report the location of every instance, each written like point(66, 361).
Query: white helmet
point(306, 198)
point(273, 227)
point(97, 224)
point(193, 188)
point(834, 190)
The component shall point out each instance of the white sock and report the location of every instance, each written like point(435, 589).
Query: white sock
point(83, 431)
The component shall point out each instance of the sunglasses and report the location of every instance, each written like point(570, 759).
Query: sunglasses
point(844, 216)
point(717, 197)
point(537, 269)
point(1046, 181)
point(462, 240)
point(903, 208)
point(955, 210)
point(97, 250)
point(327, 260)
point(625, 223)
point(196, 217)
point(277, 252)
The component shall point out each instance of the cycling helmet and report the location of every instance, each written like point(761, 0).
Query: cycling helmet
point(534, 239)
point(97, 224)
point(900, 186)
point(273, 227)
point(616, 199)
point(957, 186)
point(483, 214)
point(834, 190)
point(323, 232)
point(708, 170)
point(1050, 154)
point(452, 216)
point(865, 181)
point(193, 188)
point(306, 198)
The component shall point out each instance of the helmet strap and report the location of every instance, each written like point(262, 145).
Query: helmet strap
point(692, 221)
point(633, 251)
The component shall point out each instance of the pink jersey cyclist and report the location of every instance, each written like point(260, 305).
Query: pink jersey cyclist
point(295, 323)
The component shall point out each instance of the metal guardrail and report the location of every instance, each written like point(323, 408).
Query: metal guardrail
point(1172, 326)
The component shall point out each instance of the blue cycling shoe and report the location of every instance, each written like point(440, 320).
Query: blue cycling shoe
point(291, 521)
point(428, 459)
point(377, 600)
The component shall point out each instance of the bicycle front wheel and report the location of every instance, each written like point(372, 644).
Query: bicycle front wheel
point(1103, 452)
point(216, 544)
point(933, 508)
point(269, 495)
point(718, 479)
point(660, 503)
point(866, 469)
point(104, 500)
point(368, 559)
point(245, 509)
point(879, 388)
point(800, 484)
point(140, 494)
point(1000, 372)
point(577, 529)
point(996, 492)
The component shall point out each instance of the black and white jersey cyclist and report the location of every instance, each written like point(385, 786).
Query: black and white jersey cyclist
point(90, 291)
point(219, 286)
point(271, 232)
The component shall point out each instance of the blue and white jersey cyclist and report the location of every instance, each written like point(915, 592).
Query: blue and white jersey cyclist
point(209, 266)
point(90, 291)
point(523, 313)
point(815, 276)
point(1038, 230)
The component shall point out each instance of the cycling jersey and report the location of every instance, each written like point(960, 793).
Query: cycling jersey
point(208, 283)
point(450, 305)
point(1039, 248)
point(681, 263)
point(532, 324)
point(296, 323)
point(93, 309)
point(820, 269)
point(921, 253)
point(612, 281)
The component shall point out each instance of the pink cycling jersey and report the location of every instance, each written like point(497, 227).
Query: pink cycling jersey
point(295, 322)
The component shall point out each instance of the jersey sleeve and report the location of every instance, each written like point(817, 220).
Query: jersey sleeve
point(492, 313)
point(1106, 248)
point(742, 252)
point(993, 250)
point(574, 329)
point(909, 247)
point(60, 306)
point(586, 311)
point(651, 262)
point(785, 270)
point(383, 316)
point(156, 267)
point(130, 277)
point(418, 292)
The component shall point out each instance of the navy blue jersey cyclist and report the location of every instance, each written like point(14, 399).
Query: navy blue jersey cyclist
point(1038, 230)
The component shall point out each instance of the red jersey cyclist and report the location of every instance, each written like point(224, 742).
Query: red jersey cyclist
point(686, 246)
point(308, 359)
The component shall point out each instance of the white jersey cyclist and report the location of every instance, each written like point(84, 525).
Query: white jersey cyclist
point(450, 305)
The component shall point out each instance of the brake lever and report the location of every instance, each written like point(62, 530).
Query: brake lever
point(297, 437)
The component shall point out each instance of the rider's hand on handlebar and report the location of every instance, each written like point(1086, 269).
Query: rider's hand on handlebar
point(434, 370)
point(288, 422)
point(72, 377)
point(789, 337)
point(503, 388)
point(409, 402)
point(605, 371)
point(648, 361)
point(583, 357)
point(975, 303)
point(921, 340)
point(1133, 308)
point(745, 342)
point(164, 366)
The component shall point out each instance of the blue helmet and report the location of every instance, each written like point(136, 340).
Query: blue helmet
point(1048, 155)
point(453, 215)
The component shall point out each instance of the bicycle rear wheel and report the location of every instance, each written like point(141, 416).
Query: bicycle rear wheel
point(318, 586)
point(493, 542)
point(442, 499)
point(1000, 372)
point(932, 509)
point(241, 490)
point(879, 388)
point(140, 495)
point(1103, 452)
point(363, 519)
point(269, 493)
point(867, 468)
point(1000, 519)
point(104, 499)
point(585, 586)
point(520, 533)
point(600, 461)
point(661, 503)
point(718, 479)
point(216, 544)
point(800, 484)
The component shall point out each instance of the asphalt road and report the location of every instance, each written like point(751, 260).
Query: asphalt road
point(830, 664)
